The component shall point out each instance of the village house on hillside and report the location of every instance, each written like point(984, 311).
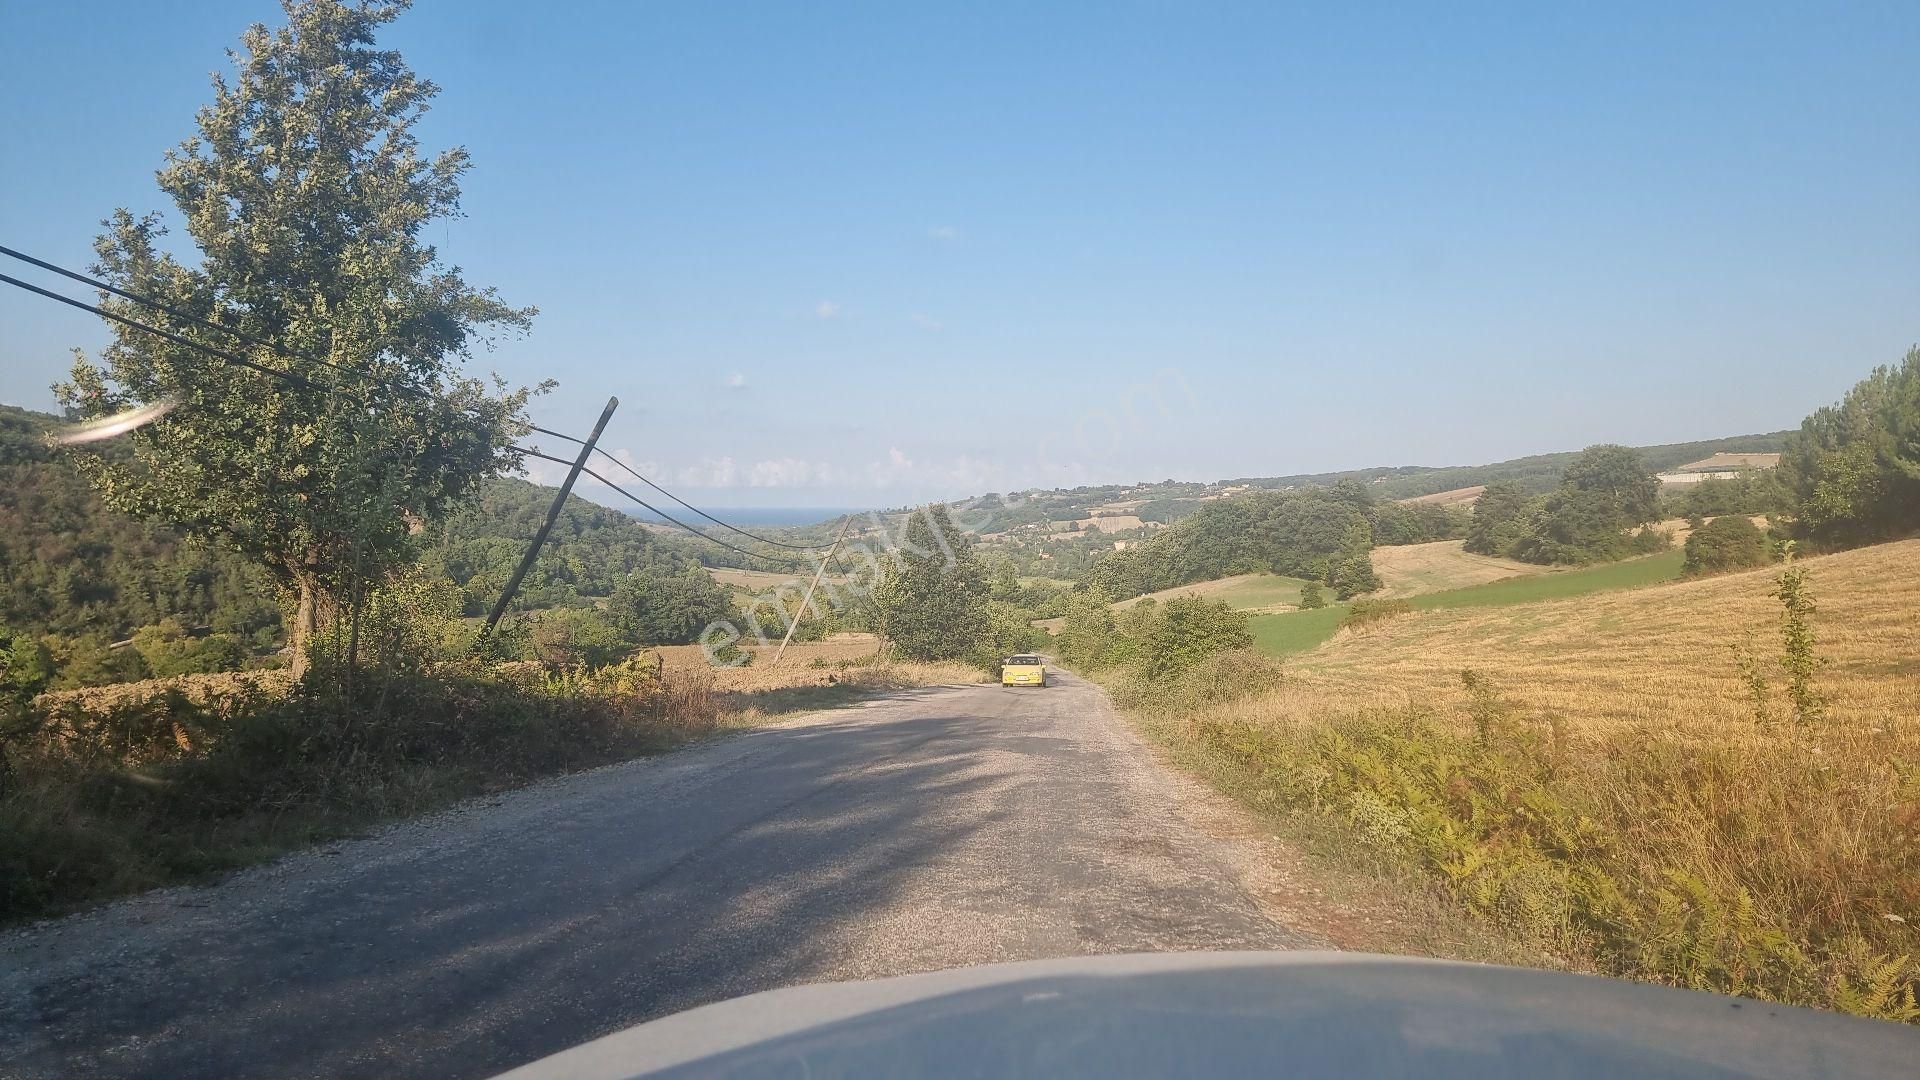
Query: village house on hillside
point(1719, 467)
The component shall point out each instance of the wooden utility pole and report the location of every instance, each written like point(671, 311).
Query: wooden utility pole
point(553, 514)
point(817, 575)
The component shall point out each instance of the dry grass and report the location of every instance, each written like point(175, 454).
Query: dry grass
point(800, 655)
point(1602, 786)
point(845, 661)
point(1412, 569)
point(205, 691)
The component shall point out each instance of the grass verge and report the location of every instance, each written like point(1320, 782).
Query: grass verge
point(130, 787)
point(1618, 783)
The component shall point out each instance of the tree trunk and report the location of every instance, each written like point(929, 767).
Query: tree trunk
point(306, 619)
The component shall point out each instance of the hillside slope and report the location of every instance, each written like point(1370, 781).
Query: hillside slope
point(1664, 654)
point(1412, 569)
point(1592, 775)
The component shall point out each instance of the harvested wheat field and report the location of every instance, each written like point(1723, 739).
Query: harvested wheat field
point(1663, 655)
point(1256, 594)
point(1465, 496)
point(1606, 787)
point(840, 660)
point(1412, 569)
point(1405, 570)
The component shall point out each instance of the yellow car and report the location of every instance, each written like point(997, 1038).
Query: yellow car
point(1023, 671)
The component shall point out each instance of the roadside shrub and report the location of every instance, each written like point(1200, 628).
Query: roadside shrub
point(565, 637)
point(1365, 613)
point(1189, 629)
point(1723, 544)
point(169, 649)
point(1216, 680)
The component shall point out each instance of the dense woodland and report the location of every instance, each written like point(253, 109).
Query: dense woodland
point(81, 576)
point(1319, 533)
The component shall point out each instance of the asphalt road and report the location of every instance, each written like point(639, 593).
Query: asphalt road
point(929, 829)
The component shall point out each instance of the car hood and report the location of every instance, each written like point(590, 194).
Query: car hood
point(1293, 1014)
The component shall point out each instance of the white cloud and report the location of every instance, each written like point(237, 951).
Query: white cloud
point(926, 322)
point(644, 468)
point(947, 233)
point(899, 459)
point(711, 473)
point(736, 381)
point(789, 472)
point(826, 309)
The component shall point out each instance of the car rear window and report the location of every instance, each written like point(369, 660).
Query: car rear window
point(1023, 660)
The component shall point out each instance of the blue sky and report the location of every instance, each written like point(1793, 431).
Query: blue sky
point(867, 254)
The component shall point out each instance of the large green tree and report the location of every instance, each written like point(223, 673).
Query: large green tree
point(1605, 495)
point(1501, 516)
point(931, 601)
point(304, 193)
point(653, 607)
point(1854, 467)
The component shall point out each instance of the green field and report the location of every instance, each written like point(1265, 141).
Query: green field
point(1298, 631)
point(1630, 574)
point(1295, 631)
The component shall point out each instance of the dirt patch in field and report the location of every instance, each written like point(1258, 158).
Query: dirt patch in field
point(1411, 569)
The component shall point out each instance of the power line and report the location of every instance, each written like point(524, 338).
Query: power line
point(184, 316)
point(241, 335)
point(651, 508)
point(231, 358)
point(752, 536)
point(288, 376)
point(283, 350)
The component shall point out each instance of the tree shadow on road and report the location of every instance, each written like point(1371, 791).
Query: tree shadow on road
point(629, 895)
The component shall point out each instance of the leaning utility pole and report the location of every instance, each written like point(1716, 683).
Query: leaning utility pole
point(553, 514)
point(817, 575)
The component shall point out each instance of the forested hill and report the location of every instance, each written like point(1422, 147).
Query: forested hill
point(70, 566)
point(591, 548)
point(1167, 500)
point(1538, 473)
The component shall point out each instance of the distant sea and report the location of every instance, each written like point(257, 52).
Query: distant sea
point(766, 517)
